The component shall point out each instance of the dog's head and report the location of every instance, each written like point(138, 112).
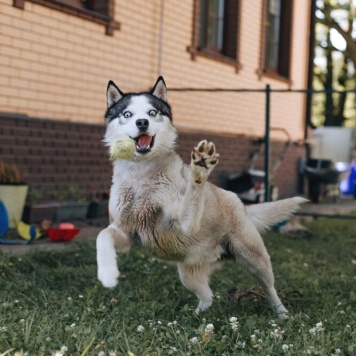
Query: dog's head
point(145, 117)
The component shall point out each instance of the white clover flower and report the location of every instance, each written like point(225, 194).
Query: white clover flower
point(317, 329)
point(312, 331)
point(253, 337)
point(101, 353)
point(277, 333)
point(73, 325)
point(240, 345)
point(69, 298)
point(233, 319)
point(234, 326)
point(348, 326)
point(209, 328)
point(140, 329)
point(80, 296)
point(175, 322)
point(57, 353)
point(159, 322)
point(285, 347)
point(64, 349)
point(22, 321)
point(170, 324)
point(194, 340)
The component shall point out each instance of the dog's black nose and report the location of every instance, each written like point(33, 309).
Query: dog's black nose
point(142, 124)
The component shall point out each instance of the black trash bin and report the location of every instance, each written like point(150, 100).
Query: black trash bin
point(320, 172)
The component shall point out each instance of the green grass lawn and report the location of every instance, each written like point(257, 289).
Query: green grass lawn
point(50, 300)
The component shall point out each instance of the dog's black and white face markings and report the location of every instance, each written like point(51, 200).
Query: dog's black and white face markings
point(141, 116)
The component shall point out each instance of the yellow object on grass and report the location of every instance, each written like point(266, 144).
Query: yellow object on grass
point(122, 148)
point(25, 230)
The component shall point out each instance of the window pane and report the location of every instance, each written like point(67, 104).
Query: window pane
point(212, 24)
point(218, 26)
point(273, 33)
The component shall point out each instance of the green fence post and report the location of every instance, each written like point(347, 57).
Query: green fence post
point(267, 142)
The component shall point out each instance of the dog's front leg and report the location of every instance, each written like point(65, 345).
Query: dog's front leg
point(204, 159)
point(108, 241)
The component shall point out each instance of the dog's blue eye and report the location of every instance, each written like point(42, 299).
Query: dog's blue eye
point(127, 114)
point(153, 113)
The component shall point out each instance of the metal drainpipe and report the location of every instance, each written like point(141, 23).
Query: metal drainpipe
point(160, 39)
point(309, 98)
point(267, 143)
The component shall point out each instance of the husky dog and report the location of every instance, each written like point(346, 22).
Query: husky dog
point(172, 210)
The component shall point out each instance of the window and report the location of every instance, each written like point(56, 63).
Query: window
point(100, 11)
point(278, 37)
point(215, 29)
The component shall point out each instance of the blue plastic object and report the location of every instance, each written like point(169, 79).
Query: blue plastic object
point(348, 185)
point(4, 219)
point(4, 225)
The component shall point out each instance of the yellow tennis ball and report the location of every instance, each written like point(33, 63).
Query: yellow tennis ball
point(122, 148)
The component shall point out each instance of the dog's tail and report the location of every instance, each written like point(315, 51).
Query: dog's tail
point(266, 215)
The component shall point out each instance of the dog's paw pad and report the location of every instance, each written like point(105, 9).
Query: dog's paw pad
point(204, 155)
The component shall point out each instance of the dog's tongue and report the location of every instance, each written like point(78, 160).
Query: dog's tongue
point(144, 141)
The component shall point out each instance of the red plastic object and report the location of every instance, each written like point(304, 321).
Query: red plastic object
point(62, 235)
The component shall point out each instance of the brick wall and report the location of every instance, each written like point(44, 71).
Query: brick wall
point(56, 153)
point(55, 65)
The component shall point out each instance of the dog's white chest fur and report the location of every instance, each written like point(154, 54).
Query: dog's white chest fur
point(145, 201)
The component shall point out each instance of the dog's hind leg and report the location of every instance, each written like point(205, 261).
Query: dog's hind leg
point(108, 241)
point(196, 279)
point(204, 159)
point(248, 248)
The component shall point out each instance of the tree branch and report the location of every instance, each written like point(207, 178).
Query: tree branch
point(351, 43)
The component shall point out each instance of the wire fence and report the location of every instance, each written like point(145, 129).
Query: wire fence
point(261, 107)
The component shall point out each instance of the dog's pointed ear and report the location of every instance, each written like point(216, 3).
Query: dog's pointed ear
point(160, 90)
point(113, 94)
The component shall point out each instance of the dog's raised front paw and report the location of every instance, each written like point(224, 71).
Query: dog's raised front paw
point(204, 159)
point(204, 155)
point(108, 276)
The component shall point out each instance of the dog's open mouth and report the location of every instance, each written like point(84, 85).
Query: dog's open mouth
point(144, 143)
